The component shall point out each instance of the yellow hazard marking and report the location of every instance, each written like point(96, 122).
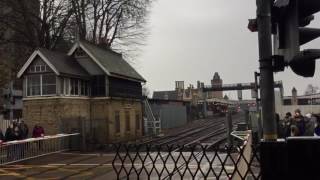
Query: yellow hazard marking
point(76, 170)
point(270, 136)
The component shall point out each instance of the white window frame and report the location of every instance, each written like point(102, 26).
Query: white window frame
point(66, 88)
point(41, 85)
point(41, 91)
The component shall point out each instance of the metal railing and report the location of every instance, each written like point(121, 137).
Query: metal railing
point(15, 151)
point(187, 162)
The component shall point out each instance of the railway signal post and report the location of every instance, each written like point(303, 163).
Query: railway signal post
point(266, 70)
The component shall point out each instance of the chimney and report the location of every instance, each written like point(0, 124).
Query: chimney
point(294, 100)
point(179, 85)
point(198, 85)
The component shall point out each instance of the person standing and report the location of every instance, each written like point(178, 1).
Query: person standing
point(2, 139)
point(309, 121)
point(38, 131)
point(317, 126)
point(287, 124)
point(299, 122)
point(24, 130)
point(13, 133)
point(9, 135)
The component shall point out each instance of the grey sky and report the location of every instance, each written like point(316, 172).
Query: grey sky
point(191, 39)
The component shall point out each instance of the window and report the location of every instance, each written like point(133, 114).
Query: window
point(42, 84)
point(137, 120)
point(43, 68)
point(67, 86)
point(48, 84)
point(62, 86)
point(34, 85)
point(87, 89)
point(84, 88)
point(117, 121)
point(39, 67)
point(127, 115)
point(74, 86)
point(80, 53)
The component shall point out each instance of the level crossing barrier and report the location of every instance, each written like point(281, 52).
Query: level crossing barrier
point(15, 151)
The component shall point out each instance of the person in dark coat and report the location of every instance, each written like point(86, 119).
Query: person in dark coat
point(299, 122)
point(287, 124)
point(2, 139)
point(317, 126)
point(279, 126)
point(24, 130)
point(13, 133)
point(17, 133)
point(9, 136)
point(38, 131)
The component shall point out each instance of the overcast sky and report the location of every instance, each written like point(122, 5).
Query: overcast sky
point(191, 39)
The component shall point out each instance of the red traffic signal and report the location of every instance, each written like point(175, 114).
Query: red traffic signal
point(253, 25)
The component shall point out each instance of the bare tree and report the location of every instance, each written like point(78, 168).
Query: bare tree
point(36, 23)
point(116, 24)
point(28, 24)
point(311, 89)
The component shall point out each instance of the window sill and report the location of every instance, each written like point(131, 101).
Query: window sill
point(54, 97)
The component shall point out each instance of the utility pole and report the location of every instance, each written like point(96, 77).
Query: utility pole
point(266, 70)
point(229, 127)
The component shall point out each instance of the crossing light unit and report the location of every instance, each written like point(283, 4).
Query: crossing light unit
point(290, 20)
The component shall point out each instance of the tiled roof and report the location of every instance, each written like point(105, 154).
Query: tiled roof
point(166, 95)
point(64, 63)
point(112, 61)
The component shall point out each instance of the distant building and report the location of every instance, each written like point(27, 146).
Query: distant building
point(191, 94)
point(306, 103)
point(164, 114)
point(312, 99)
point(216, 81)
point(91, 88)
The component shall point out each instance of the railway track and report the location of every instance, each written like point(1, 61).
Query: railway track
point(211, 130)
point(180, 132)
point(214, 138)
point(209, 133)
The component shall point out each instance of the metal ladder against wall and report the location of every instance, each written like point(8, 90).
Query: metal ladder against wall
point(152, 122)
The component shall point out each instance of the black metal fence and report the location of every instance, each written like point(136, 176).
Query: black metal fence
point(182, 162)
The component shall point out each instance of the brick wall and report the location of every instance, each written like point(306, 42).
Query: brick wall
point(95, 116)
point(53, 114)
point(122, 106)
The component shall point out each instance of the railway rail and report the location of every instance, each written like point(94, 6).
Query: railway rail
point(206, 132)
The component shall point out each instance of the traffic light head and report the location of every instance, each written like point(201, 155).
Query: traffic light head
point(290, 21)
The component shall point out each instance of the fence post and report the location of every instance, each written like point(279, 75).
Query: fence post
point(246, 116)
point(83, 135)
point(229, 128)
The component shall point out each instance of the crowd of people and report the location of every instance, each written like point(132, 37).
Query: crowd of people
point(20, 131)
point(299, 125)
